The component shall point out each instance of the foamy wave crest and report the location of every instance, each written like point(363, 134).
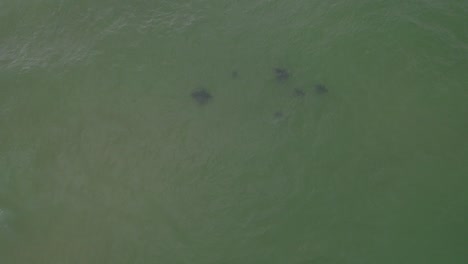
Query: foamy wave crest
point(173, 18)
point(66, 36)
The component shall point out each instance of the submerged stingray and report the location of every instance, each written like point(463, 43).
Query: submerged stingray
point(281, 74)
point(320, 89)
point(234, 74)
point(278, 115)
point(299, 92)
point(201, 96)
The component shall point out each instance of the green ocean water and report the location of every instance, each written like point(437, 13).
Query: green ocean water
point(106, 158)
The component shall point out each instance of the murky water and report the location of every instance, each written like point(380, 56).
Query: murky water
point(233, 131)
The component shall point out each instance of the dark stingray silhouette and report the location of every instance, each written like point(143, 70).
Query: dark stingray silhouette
point(299, 92)
point(320, 88)
point(278, 115)
point(281, 74)
point(234, 74)
point(201, 96)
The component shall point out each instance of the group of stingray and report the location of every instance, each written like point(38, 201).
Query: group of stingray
point(202, 96)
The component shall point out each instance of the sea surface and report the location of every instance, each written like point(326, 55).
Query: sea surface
point(233, 131)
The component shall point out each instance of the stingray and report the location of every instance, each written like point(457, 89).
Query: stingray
point(299, 92)
point(234, 74)
point(281, 74)
point(278, 115)
point(320, 89)
point(201, 96)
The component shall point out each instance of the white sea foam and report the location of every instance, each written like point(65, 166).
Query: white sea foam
point(56, 40)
